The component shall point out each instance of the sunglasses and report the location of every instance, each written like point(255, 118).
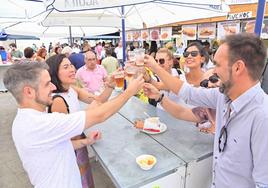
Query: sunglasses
point(213, 79)
point(160, 61)
point(193, 53)
point(222, 139)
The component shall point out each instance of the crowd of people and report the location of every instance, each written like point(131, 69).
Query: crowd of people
point(224, 98)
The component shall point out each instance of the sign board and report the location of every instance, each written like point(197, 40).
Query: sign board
point(154, 34)
point(166, 33)
point(227, 28)
point(207, 31)
point(189, 32)
point(239, 16)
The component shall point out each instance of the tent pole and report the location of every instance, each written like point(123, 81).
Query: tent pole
point(123, 33)
point(70, 33)
point(259, 17)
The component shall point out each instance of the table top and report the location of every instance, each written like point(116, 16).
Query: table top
point(121, 143)
point(181, 137)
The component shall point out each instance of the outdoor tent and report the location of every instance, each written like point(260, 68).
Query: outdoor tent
point(4, 36)
point(104, 16)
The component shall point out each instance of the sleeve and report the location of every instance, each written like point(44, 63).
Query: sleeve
point(200, 113)
point(202, 97)
point(58, 127)
point(259, 146)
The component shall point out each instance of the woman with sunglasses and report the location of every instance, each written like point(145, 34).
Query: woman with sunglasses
point(164, 58)
point(65, 100)
point(194, 55)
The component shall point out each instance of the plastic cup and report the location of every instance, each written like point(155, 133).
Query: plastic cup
point(131, 56)
point(139, 54)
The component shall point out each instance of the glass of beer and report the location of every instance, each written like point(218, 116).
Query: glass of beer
point(119, 77)
point(139, 54)
point(130, 71)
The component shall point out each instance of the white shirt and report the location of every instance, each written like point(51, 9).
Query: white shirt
point(173, 97)
point(119, 52)
point(43, 142)
point(244, 161)
point(71, 97)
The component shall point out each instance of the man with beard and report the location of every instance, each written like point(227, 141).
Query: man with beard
point(241, 142)
point(43, 140)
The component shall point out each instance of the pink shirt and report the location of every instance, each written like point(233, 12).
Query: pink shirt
point(93, 79)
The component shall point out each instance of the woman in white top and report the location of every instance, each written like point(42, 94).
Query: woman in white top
point(66, 100)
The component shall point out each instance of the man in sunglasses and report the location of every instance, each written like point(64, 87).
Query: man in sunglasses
point(241, 141)
point(164, 58)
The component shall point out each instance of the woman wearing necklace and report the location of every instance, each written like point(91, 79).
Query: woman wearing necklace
point(66, 100)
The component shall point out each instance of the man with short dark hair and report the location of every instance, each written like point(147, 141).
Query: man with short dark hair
point(29, 54)
point(43, 140)
point(15, 53)
point(241, 142)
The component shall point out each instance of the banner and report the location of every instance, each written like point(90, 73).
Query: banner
point(227, 28)
point(136, 35)
point(73, 5)
point(248, 26)
point(166, 33)
point(154, 34)
point(145, 34)
point(129, 36)
point(189, 32)
point(207, 31)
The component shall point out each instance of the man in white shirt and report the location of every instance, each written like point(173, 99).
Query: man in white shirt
point(119, 54)
point(43, 140)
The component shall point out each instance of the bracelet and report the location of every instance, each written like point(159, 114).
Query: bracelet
point(149, 81)
point(160, 98)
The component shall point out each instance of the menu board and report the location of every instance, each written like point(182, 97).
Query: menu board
point(166, 33)
point(264, 31)
point(248, 26)
point(136, 35)
point(145, 34)
point(189, 32)
point(207, 31)
point(227, 28)
point(129, 35)
point(154, 34)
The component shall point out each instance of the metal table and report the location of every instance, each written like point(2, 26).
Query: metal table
point(122, 143)
point(3, 68)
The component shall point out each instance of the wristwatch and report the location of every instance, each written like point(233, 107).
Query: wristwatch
point(160, 98)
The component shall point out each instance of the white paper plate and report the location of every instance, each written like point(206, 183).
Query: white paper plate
point(163, 128)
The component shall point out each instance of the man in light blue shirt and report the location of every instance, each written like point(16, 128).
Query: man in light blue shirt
point(241, 141)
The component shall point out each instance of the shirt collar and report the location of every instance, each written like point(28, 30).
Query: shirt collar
point(245, 98)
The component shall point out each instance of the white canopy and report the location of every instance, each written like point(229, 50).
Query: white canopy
point(50, 17)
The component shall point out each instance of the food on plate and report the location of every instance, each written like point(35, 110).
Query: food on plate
point(146, 162)
point(249, 27)
point(150, 124)
point(229, 30)
point(144, 35)
point(128, 36)
point(136, 35)
point(154, 35)
point(206, 32)
point(164, 35)
point(139, 124)
point(189, 32)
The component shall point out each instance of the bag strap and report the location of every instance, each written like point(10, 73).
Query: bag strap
point(54, 97)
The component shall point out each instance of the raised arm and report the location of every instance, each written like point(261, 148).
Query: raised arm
point(103, 111)
point(176, 110)
point(171, 83)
